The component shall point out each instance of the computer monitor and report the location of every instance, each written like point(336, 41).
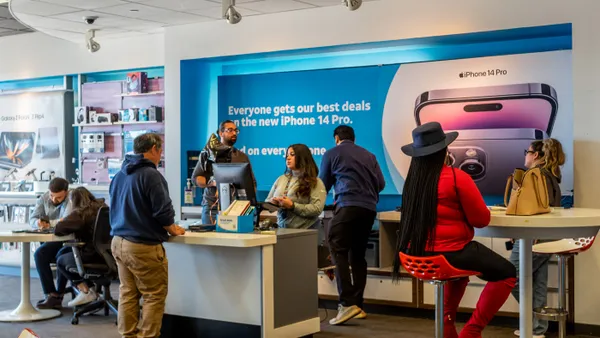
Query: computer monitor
point(234, 180)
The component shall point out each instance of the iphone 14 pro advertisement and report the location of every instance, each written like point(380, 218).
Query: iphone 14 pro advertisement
point(499, 105)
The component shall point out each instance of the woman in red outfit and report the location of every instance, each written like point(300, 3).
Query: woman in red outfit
point(441, 206)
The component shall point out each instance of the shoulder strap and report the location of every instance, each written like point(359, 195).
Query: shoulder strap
point(458, 196)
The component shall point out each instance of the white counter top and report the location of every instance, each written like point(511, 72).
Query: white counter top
point(559, 217)
point(8, 236)
point(225, 239)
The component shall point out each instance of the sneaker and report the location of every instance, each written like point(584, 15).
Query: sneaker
point(345, 313)
point(83, 298)
point(361, 315)
point(518, 334)
point(51, 302)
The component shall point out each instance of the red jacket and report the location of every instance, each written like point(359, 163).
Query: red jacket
point(452, 232)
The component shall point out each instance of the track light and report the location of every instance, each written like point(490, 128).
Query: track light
point(92, 46)
point(352, 5)
point(230, 13)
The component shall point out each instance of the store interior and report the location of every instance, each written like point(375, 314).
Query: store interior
point(82, 102)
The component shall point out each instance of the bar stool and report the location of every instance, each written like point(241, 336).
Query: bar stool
point(563, 249)
point(437, 271)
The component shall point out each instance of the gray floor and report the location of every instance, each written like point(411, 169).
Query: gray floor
point(99, 326)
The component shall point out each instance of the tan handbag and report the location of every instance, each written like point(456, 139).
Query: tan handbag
point(529, 193)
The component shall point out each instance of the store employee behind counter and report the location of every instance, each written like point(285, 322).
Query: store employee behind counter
point(203, 173)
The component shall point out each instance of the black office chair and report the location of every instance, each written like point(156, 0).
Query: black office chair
point(101, 274)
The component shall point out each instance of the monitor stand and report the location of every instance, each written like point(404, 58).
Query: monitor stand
point(225, 195)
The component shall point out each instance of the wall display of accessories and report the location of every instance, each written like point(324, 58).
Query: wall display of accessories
point(111, 115)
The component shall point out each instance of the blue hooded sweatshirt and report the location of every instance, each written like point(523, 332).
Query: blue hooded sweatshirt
point(140, 205)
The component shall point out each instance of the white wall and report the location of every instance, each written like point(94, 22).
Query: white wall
point(394, 19)
point(38, 55)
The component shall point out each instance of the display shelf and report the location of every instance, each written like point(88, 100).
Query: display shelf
point(161, 92)
point(93, 124)
point(137, 122)
point(108, 97)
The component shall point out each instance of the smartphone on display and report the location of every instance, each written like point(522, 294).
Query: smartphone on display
point(495, 125)
point(527, 105)
point(16, 149)
point(489, 156)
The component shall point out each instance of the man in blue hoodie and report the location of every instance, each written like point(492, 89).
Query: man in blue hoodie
point(357, 180)
point(142, 218)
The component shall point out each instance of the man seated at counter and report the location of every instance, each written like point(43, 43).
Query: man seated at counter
point(49, 209)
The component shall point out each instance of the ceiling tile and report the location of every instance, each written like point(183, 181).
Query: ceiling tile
point(71, 36)
point(38, 8)
point(11, 24)
point(9, 33)
point(135, 10)
point(104, 20)
point(46, 23)
point(5, 13)
point(86, 4)
point(177, 18)
point(217, 12)
point(274, 6)
point(181, 5)
point(135, 24)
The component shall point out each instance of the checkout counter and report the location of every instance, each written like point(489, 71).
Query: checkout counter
point(242, 285)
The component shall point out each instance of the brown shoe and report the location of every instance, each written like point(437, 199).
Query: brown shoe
point(51, 302)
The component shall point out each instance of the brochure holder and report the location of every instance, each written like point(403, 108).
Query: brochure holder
point(236, 224)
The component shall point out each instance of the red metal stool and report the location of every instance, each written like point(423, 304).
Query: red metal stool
point(437, 271)
point(563, 249)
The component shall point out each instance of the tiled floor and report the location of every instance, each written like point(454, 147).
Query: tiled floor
point(96, 326)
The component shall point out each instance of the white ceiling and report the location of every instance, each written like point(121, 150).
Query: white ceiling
point(128, 18)
point(8, 25)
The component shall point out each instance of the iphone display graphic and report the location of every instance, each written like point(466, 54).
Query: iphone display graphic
point(529, 105)
point(495, 125)
point(489, 156)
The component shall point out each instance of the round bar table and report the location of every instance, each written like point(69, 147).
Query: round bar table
point(25, 312)
point(560, 223)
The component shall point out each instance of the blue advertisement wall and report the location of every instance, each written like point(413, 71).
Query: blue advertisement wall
point(216, 89)
point(274, 111)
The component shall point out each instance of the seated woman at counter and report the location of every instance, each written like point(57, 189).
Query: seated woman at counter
point(80, 222)
point(440, 208)
point(548, 155)
point(299, 192)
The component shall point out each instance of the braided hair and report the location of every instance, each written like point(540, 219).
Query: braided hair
point(416, 233)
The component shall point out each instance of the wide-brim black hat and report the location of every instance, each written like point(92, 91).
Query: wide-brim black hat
point(428, 139)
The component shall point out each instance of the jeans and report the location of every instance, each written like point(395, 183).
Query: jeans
point(539, 266)
point(66, 262)
point(209, 216)
point(348, 235)
point(46, 254)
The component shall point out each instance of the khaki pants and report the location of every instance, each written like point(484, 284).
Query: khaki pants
point(143, 272)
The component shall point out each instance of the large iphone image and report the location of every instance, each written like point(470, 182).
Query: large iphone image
point(495, 125)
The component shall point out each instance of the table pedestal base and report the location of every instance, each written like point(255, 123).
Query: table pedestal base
point(27, 313)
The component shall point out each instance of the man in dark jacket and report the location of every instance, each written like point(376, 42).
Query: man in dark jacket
point(141, 217)
point(357, 180)
point(224, 152)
